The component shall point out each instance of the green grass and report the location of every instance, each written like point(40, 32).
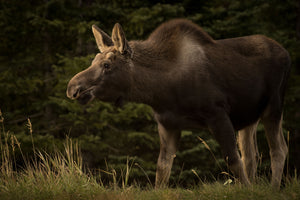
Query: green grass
point(84, 187)
point(61, 176)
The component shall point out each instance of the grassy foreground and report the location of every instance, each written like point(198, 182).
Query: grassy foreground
point(80, 186)
point(61, 176)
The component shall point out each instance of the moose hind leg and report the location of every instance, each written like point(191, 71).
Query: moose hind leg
point(277, 145)
point(224, 133)
point(169, 140)
point(248, 147)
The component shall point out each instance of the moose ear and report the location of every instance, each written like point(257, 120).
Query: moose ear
point(102, 39)
point(119, 39)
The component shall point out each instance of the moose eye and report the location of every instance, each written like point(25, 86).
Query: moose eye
point(106, 66)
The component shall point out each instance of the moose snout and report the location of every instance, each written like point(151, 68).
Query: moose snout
point(73, 91)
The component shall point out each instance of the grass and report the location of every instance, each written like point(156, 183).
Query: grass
point(84, 187)
point(61, 176)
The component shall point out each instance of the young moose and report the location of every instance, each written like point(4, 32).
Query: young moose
point(192, 81)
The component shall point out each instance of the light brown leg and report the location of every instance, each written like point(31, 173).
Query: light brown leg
point(248, 147)
point(278, 148)
point(169, 140)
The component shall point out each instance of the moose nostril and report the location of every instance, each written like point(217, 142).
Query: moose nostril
point(76, 93)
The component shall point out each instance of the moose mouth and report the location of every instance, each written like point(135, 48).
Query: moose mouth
point(85, 98)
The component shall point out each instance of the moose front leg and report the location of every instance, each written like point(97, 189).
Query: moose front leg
point(169, 140)
point(222, 128)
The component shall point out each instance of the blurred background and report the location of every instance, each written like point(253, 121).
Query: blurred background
point(45, 42)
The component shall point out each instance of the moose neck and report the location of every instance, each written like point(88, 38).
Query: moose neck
point(148, 76)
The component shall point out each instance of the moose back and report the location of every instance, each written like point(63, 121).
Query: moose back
point(193, 81)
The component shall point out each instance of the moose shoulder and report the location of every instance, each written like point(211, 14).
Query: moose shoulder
point(193, 81)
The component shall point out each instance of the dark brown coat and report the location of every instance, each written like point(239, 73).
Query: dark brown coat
point(193, 81)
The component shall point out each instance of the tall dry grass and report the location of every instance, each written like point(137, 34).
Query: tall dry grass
point(44, 176)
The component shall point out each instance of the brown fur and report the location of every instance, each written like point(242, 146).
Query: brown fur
point(193, 81)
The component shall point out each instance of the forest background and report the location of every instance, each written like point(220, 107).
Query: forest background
point(45, 42)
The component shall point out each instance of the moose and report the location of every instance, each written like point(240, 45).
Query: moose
point(192, 81)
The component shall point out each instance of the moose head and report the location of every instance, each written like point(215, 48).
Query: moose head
point(108, 78)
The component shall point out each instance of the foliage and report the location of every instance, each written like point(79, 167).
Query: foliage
point(44, 43)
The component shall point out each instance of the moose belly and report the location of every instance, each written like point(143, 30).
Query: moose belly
point(176, 120)
point(242, 116)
